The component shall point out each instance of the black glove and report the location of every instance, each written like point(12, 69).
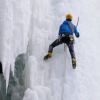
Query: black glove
point(78, 35)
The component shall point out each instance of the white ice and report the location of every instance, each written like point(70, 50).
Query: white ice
point(29, 26)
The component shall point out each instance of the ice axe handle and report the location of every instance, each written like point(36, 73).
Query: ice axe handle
point(77, 22)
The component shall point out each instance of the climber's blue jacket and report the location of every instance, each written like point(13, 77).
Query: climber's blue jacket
point(68, 28)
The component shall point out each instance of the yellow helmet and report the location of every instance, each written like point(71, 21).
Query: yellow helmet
point(69, 17)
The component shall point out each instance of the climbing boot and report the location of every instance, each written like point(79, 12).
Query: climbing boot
point(73, 63)
point(49, 55)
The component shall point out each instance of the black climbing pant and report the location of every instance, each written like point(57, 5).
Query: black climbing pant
point(68, 41)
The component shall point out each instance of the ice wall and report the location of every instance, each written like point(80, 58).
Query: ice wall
point(40, 32)
point(14, 29)
point(57, 74)
point(29, 26)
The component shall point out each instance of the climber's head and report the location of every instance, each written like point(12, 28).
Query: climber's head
point(69, 17)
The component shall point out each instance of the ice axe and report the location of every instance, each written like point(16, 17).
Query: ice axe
point(77, 22)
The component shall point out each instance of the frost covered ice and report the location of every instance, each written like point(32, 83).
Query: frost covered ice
point(57, 73)
point(29, 26)
point(39, 92)
point(14, 27)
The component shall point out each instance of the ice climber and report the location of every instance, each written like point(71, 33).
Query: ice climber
point(66, 35)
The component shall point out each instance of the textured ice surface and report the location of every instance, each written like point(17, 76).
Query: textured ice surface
point(29, 26)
